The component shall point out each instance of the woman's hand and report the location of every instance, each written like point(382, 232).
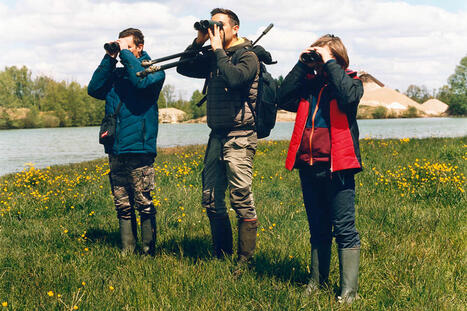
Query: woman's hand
point(324, 51)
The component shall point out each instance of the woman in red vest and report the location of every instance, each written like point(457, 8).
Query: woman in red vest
point(324, 147)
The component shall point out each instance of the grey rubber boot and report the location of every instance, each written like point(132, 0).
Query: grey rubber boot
point(148, 234)
point(349, 261)
point(320, 262)
point(221, 231)
point(246, 239)
point(127, 235)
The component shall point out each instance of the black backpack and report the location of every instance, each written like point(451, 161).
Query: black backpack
point(266, 101)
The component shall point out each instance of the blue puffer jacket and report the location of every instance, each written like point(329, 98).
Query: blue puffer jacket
point(137, 121)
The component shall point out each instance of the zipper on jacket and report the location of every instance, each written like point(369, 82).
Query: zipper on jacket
point(313, 123)
point(143, 128)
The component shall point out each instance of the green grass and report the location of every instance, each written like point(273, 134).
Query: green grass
point(59, 236)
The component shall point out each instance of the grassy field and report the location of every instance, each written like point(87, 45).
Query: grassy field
point(59, 241)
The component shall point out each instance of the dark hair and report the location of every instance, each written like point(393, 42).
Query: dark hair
point(232, 16)
point(138, 37)
point(337, 48)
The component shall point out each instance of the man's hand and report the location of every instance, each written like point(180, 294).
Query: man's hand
point(123, 42)
point(215, 37)
point(202, 37)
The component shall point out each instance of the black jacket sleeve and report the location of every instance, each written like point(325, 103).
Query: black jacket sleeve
point(346, 90)
point(239, 74)
point(198, 67)
point(293, 87)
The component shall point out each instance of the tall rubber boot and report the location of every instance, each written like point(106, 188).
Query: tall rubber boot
point(246, 239)
point(320, 262)
point(127, 235)
point(221, 231)
point(148, 234)
point(349, 261)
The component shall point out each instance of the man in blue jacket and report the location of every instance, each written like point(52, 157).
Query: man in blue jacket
point(132, 154)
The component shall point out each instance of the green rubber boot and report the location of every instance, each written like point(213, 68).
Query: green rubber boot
point(349, 261)
point(127, 235)
point(247, 231)
point(148, 234)
point(320, 262)
point(221, 231)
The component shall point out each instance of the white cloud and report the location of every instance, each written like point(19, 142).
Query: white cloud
point(399, 43)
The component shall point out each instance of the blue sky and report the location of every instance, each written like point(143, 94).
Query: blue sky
point(399, 42)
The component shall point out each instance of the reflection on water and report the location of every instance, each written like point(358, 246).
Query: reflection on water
point(44, 147)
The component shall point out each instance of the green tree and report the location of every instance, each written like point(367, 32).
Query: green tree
point(168, 92)
point(455, 93)
point(420, 94)
point(197, 112)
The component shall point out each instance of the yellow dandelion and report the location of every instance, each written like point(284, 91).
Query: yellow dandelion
point(50, 293)
point(83, 283)
point(86, 249)
point(111, 287)
point(179, 220)
point(75, 308)
point(65, 231)
point(4, 304)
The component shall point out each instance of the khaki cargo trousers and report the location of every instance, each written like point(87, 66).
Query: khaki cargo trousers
point(228, 162)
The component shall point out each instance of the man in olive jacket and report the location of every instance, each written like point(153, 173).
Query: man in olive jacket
point(131, 156)
point(232, 143)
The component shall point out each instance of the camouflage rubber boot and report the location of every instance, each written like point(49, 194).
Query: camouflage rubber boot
point(349, 261)
point(127, 236)
point(221, 231)
point(148, 234)
point(320, 261)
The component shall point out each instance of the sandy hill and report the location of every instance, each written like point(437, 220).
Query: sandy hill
point(434, 107)
point(171, 115)
point(389, 98)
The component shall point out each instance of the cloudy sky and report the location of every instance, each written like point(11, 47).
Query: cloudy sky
point(399, 42)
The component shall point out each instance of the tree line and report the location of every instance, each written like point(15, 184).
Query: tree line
point(43, 102)
point(454, 93)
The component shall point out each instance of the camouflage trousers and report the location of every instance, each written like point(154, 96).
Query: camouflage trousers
point(132, 180)
point(228, 162)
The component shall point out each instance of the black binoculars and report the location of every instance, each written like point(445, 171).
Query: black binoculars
point(312, 57)
point(112, 47)
point(205, 24)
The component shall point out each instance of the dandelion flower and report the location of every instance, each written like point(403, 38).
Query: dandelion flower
point(75, 308)
point(4, 304)
point(83, 283)
point(50, 293)
point(111, 287)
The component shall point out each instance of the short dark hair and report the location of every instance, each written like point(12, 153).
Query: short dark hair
point(232, 16)
point(138, 37)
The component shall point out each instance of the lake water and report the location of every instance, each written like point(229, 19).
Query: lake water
point(44, 147)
